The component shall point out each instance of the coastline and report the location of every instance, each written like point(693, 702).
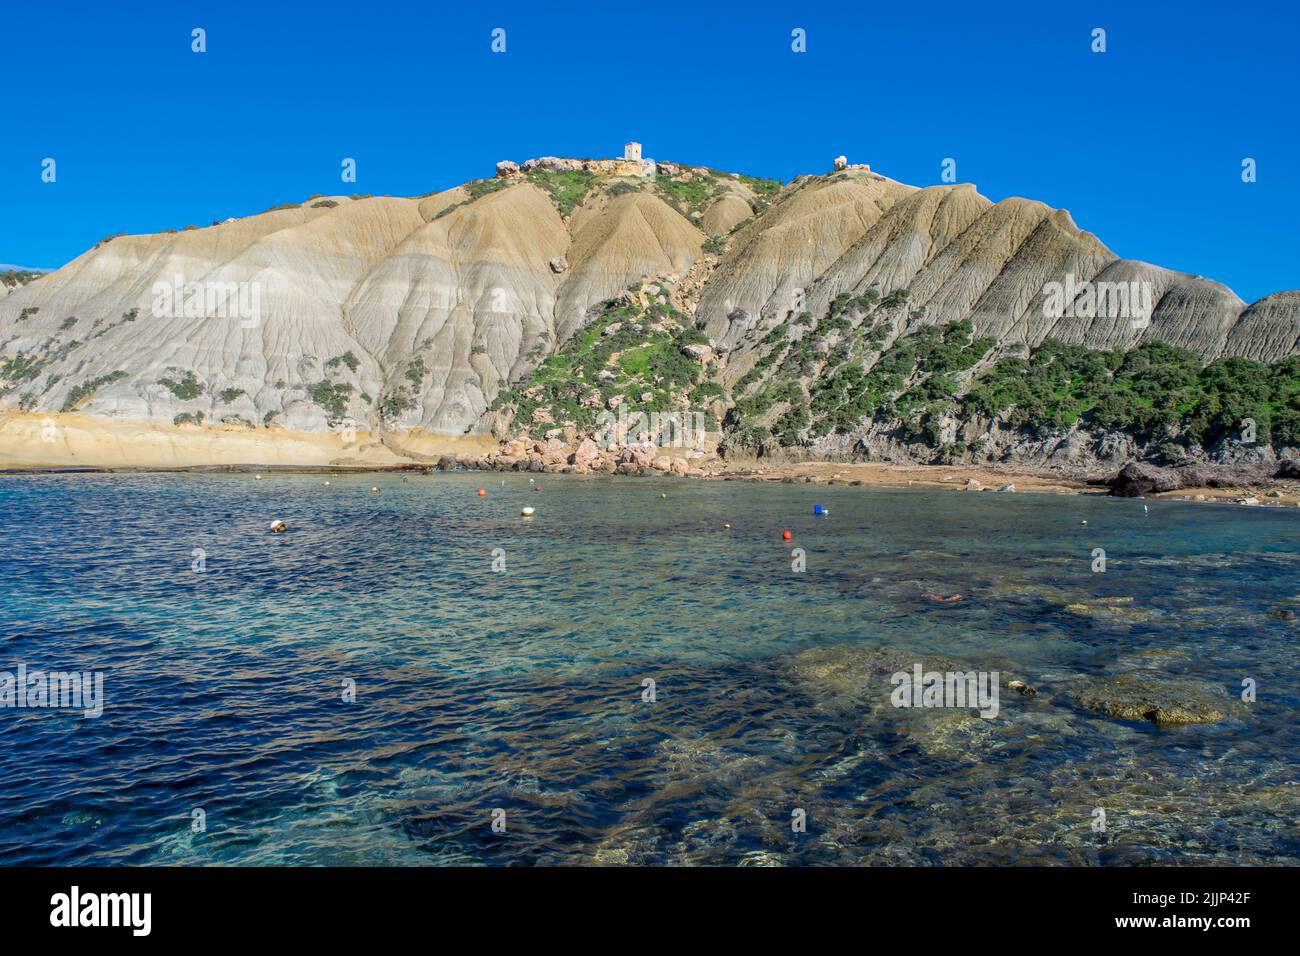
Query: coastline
point(74, 443)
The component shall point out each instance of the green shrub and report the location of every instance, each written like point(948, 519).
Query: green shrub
point(347, 358)
point(187, 389)
point(567, 189)
point(331, 397)
point(80, 393)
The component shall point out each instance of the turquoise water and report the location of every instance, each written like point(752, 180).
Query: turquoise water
point(522, 690)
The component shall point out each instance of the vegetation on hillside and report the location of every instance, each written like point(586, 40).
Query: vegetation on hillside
point(1155, 392)
point(629, 350)
point(186, 388)
point(816, 378)
point(17, 277)
point(86, 390)
point(567, 189)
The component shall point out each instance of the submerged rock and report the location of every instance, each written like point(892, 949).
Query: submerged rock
point(1161, 700)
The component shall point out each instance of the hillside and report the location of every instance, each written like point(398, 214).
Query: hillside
point(842, 315)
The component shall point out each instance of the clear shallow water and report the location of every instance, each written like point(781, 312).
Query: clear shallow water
point(522, 690)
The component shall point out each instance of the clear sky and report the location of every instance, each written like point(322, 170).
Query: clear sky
point(1143, 143)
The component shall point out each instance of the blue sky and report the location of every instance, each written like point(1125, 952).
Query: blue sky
point(1143, 144)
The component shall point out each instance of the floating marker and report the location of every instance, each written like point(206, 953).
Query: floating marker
point(786, 535)
point(482, 492)
point(526, 512)
point(374, 489)
point(663, 494)
point(727, 526)
point(819, 510)
point(278, 526)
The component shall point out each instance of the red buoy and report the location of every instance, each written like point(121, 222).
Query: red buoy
point(786, 535)
point(482, 492)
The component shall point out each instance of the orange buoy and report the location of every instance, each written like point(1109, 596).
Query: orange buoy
point(482, 492)
point(786, 535)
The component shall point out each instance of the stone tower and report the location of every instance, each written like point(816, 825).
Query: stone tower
point(632, 152)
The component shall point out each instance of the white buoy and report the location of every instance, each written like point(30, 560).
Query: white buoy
point(526, 512)
point(374, 489)
point(278, 526)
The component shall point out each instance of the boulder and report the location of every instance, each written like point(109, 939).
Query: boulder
point(640, 455)
point(554, 164)
point(586, 452)
point(506, 168)
point(555, 452)
point(558, 264)
point(1138, 478)
point(699, 353)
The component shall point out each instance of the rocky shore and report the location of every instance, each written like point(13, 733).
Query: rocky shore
point(1244, 483)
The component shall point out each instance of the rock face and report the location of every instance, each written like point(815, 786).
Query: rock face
point(402, 314)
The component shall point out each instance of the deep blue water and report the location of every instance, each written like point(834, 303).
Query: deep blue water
point(522, 690)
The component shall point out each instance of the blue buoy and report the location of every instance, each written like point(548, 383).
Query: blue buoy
point(819, 510)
